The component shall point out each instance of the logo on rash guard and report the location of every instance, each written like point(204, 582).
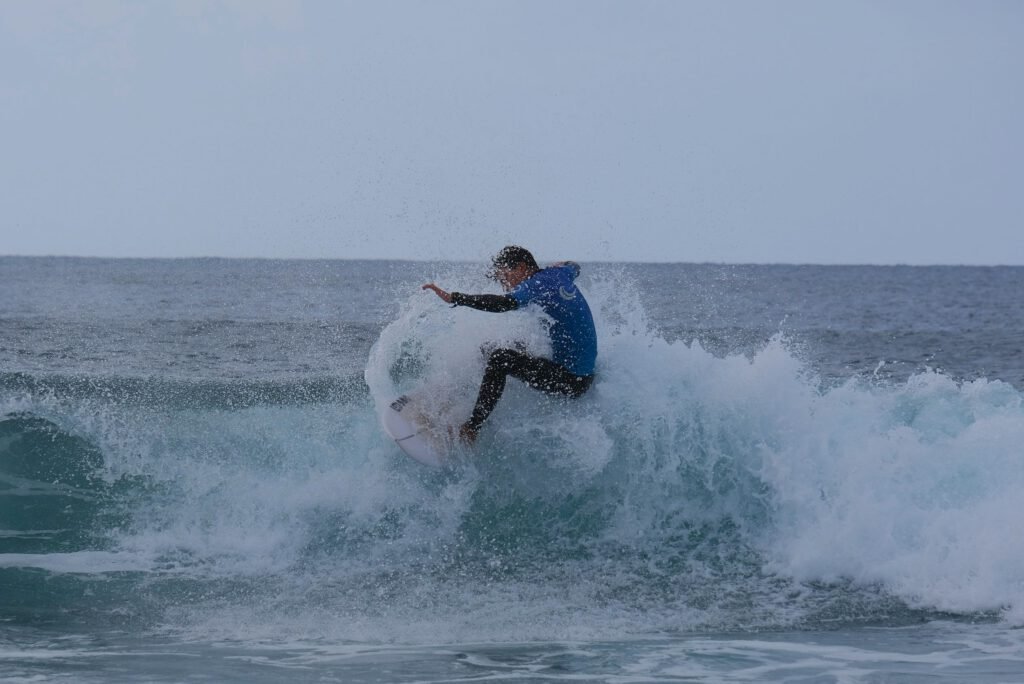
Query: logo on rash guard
point(567, 294)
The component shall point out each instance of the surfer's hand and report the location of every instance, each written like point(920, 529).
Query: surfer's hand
point(439, 292)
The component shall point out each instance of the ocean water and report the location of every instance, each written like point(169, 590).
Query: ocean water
point(782, 473)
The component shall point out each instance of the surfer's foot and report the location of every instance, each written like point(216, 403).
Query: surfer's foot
point(467, 433)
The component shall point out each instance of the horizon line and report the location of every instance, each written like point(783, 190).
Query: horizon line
point(474, 261)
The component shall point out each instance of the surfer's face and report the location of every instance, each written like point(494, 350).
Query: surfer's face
point(510, 277)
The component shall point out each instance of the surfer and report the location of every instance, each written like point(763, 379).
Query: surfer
point(573, 337)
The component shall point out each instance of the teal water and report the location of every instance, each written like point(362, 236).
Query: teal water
point(781, 474)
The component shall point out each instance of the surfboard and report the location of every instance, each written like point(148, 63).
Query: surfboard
point(409, 421)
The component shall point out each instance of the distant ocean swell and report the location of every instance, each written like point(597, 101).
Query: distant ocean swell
point(179, 393)
point(687, 490)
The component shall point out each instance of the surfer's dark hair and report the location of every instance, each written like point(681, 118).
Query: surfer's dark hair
point(510, 257)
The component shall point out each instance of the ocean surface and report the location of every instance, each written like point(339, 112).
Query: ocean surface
point(781, 474)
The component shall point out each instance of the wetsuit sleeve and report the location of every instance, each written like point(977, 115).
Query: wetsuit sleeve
point(485, 302)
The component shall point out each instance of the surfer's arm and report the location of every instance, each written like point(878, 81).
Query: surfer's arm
point(485, 302)
point(445, 296)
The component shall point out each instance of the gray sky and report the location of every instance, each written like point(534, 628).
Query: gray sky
point(726, 131)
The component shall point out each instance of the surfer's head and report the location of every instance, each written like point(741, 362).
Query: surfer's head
point(512, 265)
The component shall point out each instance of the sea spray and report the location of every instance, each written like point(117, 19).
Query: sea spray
point(896, 487)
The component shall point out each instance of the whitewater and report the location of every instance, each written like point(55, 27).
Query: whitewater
point(788, 473)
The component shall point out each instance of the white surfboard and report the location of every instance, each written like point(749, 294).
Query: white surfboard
point(409, 421)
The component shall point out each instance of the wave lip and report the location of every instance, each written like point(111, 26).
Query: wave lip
point(52, 492)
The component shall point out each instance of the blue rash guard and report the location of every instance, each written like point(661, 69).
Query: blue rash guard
point(573, 337)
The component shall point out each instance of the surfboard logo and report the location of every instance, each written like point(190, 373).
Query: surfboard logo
point(567, 295)
point(399, 403)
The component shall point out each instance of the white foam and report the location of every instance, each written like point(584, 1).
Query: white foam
point(78, 562)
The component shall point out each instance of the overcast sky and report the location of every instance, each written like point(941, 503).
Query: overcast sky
point(724, 131)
